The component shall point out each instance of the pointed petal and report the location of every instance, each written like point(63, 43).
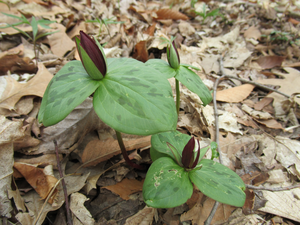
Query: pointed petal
point(197, 157)
point(87, 63)
point(188, 153)
point(93, 51)
point(172, 56)
point(175, 47)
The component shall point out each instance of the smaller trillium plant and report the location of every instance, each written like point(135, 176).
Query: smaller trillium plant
point(178, 164)
point(182, 73)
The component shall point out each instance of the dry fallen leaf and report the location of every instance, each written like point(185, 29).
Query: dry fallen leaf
point(6, 170)
point(283, 203)
point(126, 187)
point(143, 217)
point(36, 177)
point(235, 94)
point(98, 151)
point(59, 42)
point(19, 201)
point(36, 207)
point(262, 103)
point(15, 90)
point(256, 114)
point(201, 210)
point(270, 61)
point(9, 131)
point(140, 51)
point(78, 209)
point(13, 61)
point(164, 14)
point(288, 85)
point(252, 32)
point(271, 123)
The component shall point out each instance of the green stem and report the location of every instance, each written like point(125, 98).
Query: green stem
point(124, 152)
point(177, 96)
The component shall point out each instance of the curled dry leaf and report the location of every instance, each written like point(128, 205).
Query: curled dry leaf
point(270, 61)
point(36, 177)
point(13, 61)
point(235, 94)
point(140, 51)
point(164, 14)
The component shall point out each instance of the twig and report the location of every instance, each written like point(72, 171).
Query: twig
point(216, 205)
point(46, 201)
point(212, 213)
point(272, 189)
point(217, 118)
point(69, 217)
point(256, 84)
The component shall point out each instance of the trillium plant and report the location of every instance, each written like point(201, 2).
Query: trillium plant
point(182, 73)
point(128, 96)
point(178, 164)
point(136, 98)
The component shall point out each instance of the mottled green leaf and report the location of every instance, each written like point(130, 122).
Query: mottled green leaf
point(162, 66)
point(193, 82)
point(159, 147)
point(135, 99)
point(167, 185)
point(219, 183)
point(178, 140)
point(68, 89)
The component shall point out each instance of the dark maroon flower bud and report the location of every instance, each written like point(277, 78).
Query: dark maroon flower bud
point(188, 154)
point(92, 56)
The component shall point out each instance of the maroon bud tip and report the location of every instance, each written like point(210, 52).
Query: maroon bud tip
point(93, 51)
point(188, 153)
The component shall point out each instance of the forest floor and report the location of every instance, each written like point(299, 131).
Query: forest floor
point(254, 46)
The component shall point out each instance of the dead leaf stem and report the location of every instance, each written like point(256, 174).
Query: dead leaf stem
point(69, 217)
point(272, 189)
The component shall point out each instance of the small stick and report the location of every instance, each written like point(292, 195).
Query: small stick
point(69, 217)
point(256, 84)
point(272, 189)
point(216, 205)
point(212, 213)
